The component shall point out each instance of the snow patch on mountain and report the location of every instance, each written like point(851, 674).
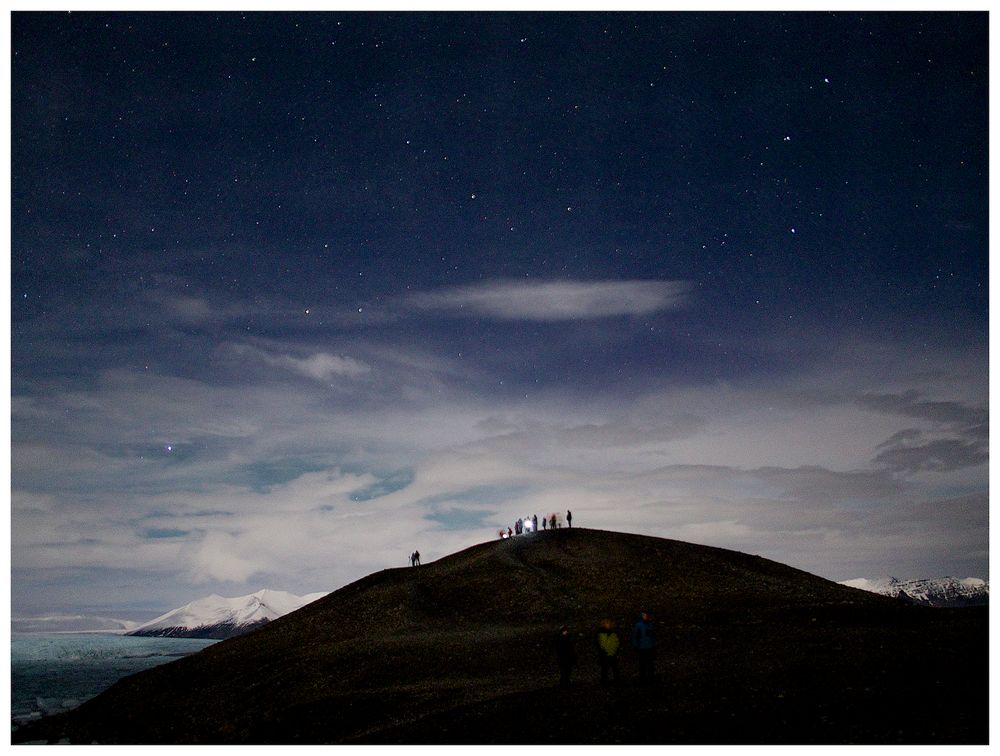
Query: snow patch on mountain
point(216, 616)
point(946, 591)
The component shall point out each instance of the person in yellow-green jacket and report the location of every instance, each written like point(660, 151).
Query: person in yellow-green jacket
point(608, 645)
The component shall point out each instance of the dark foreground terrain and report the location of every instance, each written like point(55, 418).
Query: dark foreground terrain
point(460, 651)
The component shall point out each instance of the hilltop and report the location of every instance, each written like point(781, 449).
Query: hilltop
point(460, 651)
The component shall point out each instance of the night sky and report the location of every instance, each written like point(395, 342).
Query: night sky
point(293, 295)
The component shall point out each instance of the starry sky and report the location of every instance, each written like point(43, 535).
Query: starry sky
point(293, 295)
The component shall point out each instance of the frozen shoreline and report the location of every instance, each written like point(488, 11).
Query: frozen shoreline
point(58, 671)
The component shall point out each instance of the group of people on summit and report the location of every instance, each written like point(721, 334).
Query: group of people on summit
point(523, 525)
point(530, 524)
point(607, 645)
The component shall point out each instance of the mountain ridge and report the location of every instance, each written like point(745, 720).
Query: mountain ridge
point(937, 592)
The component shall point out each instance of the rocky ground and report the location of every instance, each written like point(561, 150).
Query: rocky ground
point(461, 651)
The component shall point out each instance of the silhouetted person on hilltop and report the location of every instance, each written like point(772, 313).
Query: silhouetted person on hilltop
point(545, 523)
point(608, 646)
point(569, 519)
point(534, 523)
point(644, 643)
point(565, 655)
point(416, 558)
point(552, 522)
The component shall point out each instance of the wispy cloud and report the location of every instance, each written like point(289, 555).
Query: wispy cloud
point(910, 404)
point(319, 366)
point(190, 309)
point(941, 454)
point(956, 435)
point(555, 300)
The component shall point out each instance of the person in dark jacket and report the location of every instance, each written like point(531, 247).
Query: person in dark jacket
point(565, 655)
point(569, 519)
point(608, 646)
point(644, 643)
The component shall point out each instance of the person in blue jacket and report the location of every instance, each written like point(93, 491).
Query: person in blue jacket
point(644, 643)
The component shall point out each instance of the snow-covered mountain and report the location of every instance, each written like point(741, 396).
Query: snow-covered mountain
point(946, 591)
point(218, 617)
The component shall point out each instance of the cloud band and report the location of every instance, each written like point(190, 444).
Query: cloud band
point(556, 300)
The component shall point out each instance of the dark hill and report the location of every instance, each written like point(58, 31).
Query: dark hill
point(460, 651)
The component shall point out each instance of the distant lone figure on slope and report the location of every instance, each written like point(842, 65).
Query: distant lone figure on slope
point(416, 558)
point(565, 655)
point(644, 643)
point(608, 646)
point(569, 519)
